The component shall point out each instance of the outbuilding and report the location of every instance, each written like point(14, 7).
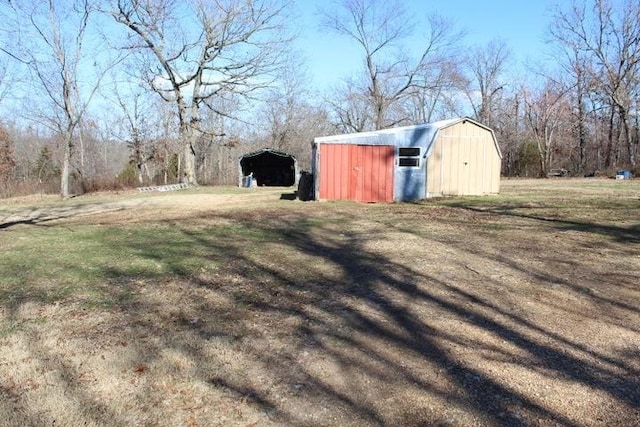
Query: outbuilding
point(268, 167)
point(446, 158)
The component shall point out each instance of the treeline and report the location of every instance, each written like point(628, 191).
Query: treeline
point(102, 95)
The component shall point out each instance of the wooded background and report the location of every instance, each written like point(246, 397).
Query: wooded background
point(105, 94)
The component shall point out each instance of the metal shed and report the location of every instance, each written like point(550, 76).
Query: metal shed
point(447, 158)
point(268, 167)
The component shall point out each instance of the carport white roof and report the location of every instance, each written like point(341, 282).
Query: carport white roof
point(266, 150)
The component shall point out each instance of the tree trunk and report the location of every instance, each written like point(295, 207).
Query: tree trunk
point(189, 175)
point(582, 139)
point(542, 156)
point(609, 150)
point(636, 140)
point(66, 167)
point(624, 116)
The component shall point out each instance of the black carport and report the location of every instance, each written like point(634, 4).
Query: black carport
point(269, 168)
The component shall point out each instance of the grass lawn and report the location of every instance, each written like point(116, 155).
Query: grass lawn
point(240, 307)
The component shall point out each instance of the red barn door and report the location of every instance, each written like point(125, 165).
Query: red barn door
point(363, 173)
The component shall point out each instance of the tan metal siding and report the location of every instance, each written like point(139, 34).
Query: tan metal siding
point(434, 170)
point(464, 161)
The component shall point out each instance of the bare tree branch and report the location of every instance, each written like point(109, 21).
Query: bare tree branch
point(380, 28)
point(50, 41)
point(219, 47)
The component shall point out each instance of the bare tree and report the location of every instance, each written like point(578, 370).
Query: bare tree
point(351, 107)
point(218, 118)
point(51, 40)
point(545, 113)
point(134, 129)
point(7, 162)
point(438, 99)
point(290, 119)
point(486, 65)
point(577, 76)
point(5, 78)
point(379, 28)
point(607, 35)
point(215, 49)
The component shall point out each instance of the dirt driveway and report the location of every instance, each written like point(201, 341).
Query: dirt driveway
point(36, 209)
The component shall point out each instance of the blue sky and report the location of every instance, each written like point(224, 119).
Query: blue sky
point(521, 24)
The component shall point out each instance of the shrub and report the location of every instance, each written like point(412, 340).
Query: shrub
point(128, 177)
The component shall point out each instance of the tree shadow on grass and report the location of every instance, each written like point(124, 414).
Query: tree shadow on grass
point(370, 306)
point(629, 234)
point(38, 216)
point(627, 239)
point(335, 327)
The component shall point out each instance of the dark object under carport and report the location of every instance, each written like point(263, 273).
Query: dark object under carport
point(305, 187)
point(268, 167)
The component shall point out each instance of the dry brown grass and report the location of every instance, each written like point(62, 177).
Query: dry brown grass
point(249, 310)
